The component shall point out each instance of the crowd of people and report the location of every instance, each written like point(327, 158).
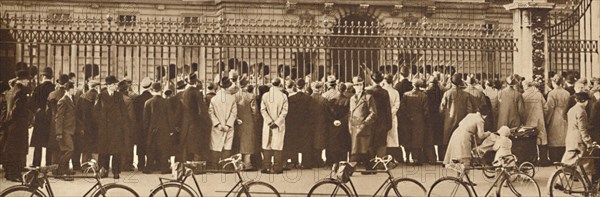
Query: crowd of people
point(300, 123)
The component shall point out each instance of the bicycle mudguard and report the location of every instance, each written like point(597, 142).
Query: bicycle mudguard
point(175, 183)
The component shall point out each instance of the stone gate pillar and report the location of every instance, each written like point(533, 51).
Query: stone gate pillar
point(529, 19)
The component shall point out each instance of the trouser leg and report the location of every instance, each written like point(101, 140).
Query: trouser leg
point(556, 153)
point(76, 157)
point(429, 152)
point(141, 154)
point(226, 154)
point(256, 160)
point(266, 164)
point(213, 162)
point(442, 152)
point(104, 161)
point(48, 157)
point(316, 157)
point(127, 159)
point(37, 156)
point(116, 164)
point(64, 161)
point(278, 161)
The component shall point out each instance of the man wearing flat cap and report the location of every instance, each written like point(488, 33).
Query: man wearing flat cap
point(112, 126)
point(455, 105)
point(320, 118)
point(361, 119)
point(510, 105)
point(415, 105)
point(140, 134)
point(87, 118)
point(41, 129)
point(223, 113)
point(274, 109)
point(159, 131)
point(15, 148)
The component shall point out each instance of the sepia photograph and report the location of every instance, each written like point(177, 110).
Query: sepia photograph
point(293, 98)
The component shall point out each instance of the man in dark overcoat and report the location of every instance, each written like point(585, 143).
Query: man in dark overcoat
point(66, 127)
point(403, 86)
point(299, 124)
point(383, 121)
point(140, 136)
point(455, 105)
point(41, 125)
point(53, 98)
point(436, 125)
point(159, 129)
point(124, 87)
point(320, 115)
point(338, 134)
point(87, 118)
point(15, 147)
point(191, 129)
point(112, 126)
point(414, 104)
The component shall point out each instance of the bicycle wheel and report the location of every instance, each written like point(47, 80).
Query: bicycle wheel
point(527, 168)
point(567, 183)
point(329, 187)
point(20, 190)
point(173, 189)
point(258, 188)
point(519, 184)
point(449, 186)
point(405, 187)
point(110, 190)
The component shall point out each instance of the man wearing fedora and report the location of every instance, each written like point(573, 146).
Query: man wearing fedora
point(53, 98)
point(159, 128)
point(223, 113)
point(66, 127)
point(455, 105)
point(124, 87)
point(41, 129)
point(112, 124)
point(274, 109)
point(320, 117)
point(361, 120)
point(14, 151)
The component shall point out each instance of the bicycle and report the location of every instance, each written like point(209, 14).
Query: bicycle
point(572, 180)
point(178, 187)
point(37, 177)
point(392, 186)
point(507, 181)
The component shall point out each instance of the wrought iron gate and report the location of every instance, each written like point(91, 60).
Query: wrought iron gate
point(262, 49)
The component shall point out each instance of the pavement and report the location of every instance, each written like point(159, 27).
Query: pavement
point(290, 183)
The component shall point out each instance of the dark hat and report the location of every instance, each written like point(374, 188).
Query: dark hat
point(244, 81)
point(192, 78)
point(582, 96)
point(571, 79)
point(457, 80)
point(276, 81)
point(62, 79)
point(404, 71)
point(156, 87)
point(71, 75)
point(389, 78)
point(69, 85)
point(377, 77)
point(225, 82)
point(300, 83)
point(111, 80)
point(22, 74)
point(181, 84)
point(211, 86)
point(48, 73)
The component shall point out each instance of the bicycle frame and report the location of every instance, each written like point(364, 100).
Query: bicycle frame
point(504, 176)
point(240, 183)
point(182, 183)
point(592, 188)
point(388, 182)
point(97, 186)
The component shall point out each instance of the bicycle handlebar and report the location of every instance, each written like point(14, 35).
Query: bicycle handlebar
point(385, 160)
point(233, 160)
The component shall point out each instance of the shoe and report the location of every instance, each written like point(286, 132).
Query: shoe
point(147, 172)
point(129, 168)
point(276, 172)
point(67, 177)
point(368, 172)
point(116, 176)
point(265, 171)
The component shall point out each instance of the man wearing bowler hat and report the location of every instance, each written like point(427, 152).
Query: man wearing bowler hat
point(53, 98)
point(112, 126)
point(159, 128)
point(383, 120)
point(191, 129)
point(41, 125)
point(14, 151)
point(66, 127)
point(403, 86)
